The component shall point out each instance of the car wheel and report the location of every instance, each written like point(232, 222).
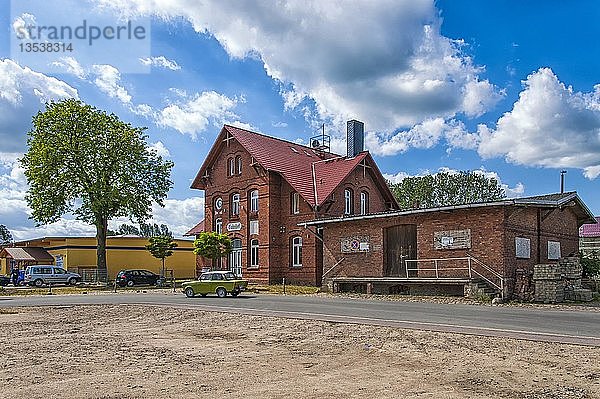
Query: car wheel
point(189, 292)
point(221, 292)
point(235, 293)
point(73, 281)
point(38, 283)
point(130, 283)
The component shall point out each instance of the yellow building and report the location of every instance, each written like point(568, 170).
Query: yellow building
point(78, 254)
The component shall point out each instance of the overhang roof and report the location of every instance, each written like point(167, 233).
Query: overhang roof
point(313, 174)
point(560, 200)
point(27, 254)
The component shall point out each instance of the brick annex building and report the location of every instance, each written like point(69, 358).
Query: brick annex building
point(258, 189)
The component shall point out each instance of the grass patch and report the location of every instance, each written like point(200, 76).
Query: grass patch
point(278, 289)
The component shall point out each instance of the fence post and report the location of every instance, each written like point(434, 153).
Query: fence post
point(284, 286)
point(470, 275)
point(437, 275)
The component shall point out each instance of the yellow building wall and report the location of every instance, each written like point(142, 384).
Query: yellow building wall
point(121, 253)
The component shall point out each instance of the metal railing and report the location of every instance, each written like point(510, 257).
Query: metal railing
point(473, 266)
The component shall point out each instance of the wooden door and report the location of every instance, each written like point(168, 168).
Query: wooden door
point(400, 245)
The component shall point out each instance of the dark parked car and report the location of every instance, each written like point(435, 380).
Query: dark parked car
point(4, 281)
point(130, 278)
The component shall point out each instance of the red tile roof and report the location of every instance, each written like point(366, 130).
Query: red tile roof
point(301, 166)
point(197, 229)
point(590, 230)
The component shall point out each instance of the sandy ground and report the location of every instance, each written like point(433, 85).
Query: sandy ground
point(129, 351)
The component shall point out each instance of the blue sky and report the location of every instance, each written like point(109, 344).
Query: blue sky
point(504, 87)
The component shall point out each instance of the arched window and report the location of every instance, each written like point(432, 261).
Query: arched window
point(253, 253)
point(364, 202)
point(219, 225)
point(254, 201)
point(230, 167)
point(296, 251)
point(238, 164)
point(348, 202)
point(235, 204)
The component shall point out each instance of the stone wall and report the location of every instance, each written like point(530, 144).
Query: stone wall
point(559, 282)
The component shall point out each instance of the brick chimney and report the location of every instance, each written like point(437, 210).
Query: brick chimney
point(355, 137)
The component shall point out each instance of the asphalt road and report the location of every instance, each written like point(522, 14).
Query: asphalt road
point(565, 326)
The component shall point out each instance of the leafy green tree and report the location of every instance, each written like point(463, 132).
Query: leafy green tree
point(5, 235)
point(151, 230)
point(591, 263)
point(161, 247)
point(212, 245)
point(88, 162)
point(444, 188)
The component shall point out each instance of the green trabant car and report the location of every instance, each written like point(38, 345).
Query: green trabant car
point(220, 282)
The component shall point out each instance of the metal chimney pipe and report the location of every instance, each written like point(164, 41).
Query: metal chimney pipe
point(562, 181)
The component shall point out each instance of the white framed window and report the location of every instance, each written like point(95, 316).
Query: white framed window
point(235, 204)
point(219, 225)
point(364, 202)
point(348, 205)
point(254, 201)
point(253, 253)
point(295, 203)
point(254, 227)
point(235, 257)
point(554, 250)
point(238, 164)
point(296, 251)
point(231, 167)
point(522, 247)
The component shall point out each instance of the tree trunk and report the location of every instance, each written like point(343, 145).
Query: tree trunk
point(101, 228)
point(162, 273)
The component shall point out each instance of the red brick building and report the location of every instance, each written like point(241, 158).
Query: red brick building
point(448, 248)
point(258, 189)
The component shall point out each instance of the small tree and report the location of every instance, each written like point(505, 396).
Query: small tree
point(212, 245)
point(161, 247)
point(5, 235)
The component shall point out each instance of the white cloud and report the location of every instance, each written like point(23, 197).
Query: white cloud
point(20, 24)
point(71, 65)
point(395, 178)
point(424, 135)
point(17, 81)
point(550, 126)
point(179, 215)
point(383, 62)
point(159, 149)
point(160, 62)
point(107, 80)
point(193, 115)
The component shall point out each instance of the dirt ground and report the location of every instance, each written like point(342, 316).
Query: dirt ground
point(128, 351)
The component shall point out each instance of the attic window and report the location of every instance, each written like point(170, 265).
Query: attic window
point(294, 150)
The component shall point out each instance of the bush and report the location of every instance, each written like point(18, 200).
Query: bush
point(591, 264)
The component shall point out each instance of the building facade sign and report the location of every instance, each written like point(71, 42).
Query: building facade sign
point(355, 244)
point(523, 247)
point(452, 239)
point(553, 250)
point(234, 226)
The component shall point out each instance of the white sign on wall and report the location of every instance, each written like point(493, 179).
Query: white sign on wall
point(553, 250)
point(523, 247)
point(234, 226)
